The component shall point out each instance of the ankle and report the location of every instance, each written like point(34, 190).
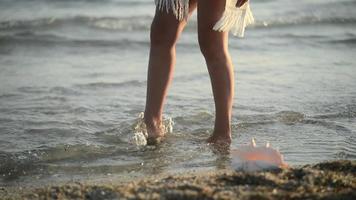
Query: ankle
point(222, 126)
point(222, 134)
point(223, 130)
point(152, 121)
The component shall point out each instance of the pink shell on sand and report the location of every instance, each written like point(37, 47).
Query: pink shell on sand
point(252, 158)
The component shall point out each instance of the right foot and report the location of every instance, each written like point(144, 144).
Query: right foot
point(155, 131)
point(220, 143)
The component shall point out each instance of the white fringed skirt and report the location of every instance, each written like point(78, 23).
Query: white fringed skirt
point(233, 19)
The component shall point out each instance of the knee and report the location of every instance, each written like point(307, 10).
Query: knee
point(163, 33)
point(214, 49)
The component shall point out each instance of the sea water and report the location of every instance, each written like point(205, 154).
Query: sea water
point(73, 83)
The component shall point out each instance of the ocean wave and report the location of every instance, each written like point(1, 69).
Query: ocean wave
point(329, 125)
point(36, 161)
point(348, 112)
point(108, 23)
point(142, 23)
point(31, 38)
point(347, 149)
point(117, 2)
point(305, 20)
point(348, 41)
point(32, 90)
point(286, 117)
point(46, 90)
point(9, 95)
point(98, 85)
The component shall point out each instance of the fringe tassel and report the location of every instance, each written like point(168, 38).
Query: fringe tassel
point(235, 19)
point(180, 8)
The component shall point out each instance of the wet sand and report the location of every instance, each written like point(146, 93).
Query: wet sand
point(328, 180)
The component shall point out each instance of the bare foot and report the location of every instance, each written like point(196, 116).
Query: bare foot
point(155, 131)
point(220, 144)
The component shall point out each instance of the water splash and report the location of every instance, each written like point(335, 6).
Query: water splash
point(139, 136)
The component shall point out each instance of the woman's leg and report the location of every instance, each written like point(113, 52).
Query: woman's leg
point(214, 47)
point(165, 31)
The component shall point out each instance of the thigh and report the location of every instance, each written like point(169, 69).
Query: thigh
point(166, 25)
point(168, 18)
point(209, 12)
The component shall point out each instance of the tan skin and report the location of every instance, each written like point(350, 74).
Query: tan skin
point(165, 31)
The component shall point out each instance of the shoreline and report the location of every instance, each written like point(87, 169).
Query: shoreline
point(326, 180)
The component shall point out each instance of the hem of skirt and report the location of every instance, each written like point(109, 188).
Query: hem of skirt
point(233, 19)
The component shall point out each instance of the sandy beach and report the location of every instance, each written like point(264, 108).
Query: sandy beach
point(327, 180)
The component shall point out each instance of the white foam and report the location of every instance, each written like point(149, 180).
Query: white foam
point(139, 133)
